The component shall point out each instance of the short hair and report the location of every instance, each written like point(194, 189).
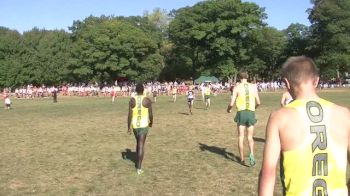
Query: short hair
point(243, 74)
point(139, 88)
point(298, 69)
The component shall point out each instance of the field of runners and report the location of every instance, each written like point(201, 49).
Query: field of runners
point(80, 146)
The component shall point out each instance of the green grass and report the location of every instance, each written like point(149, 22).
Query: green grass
point(75, 147)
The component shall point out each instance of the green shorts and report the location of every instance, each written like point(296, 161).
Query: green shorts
point(245, 118)
point(140, 131)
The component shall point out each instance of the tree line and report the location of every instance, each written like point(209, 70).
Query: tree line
point(214, 37)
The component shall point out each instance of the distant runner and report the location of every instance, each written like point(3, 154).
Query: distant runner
point(140, 118)
point(190, 99)
point(286, 99)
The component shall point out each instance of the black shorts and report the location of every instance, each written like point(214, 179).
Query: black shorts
point(189, 100)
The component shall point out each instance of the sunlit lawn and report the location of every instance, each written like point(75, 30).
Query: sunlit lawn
point(80, 146)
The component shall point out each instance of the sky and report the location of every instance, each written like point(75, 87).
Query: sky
point(23, 15)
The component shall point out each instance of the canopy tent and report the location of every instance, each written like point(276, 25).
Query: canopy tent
point(203, 79)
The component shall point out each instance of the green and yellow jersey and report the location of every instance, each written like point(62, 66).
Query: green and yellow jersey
point(246, 98)
point(140, 116)
point(207, 91)
point(318, 166)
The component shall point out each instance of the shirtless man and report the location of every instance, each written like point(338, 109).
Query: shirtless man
point(310, 134)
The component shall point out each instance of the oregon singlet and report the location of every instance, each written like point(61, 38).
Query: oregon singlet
point(246, 101)
point(318, 166)
point(207, 91)
point(140, 117)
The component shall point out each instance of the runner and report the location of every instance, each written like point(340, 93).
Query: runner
point(207, 95)
point(140, 118)
point(247, 100)
point(113, 93)
point(174, 92)
point(7, 99)
point(310, 134)
point(190, 99)
point(154, 93)
point(286, 99)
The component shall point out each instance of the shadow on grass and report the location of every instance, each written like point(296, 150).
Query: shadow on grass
point(184, 113)
point(199, 108)
point(220, 151)
point(129, 155)
point(259, 139)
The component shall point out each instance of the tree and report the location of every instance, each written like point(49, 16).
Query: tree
point(44, 57)
point(298, 38)
point(9, 57)
point(159, 17)
point(105, 48)
point(330, 38)
point(267, 52)
point(214, 34)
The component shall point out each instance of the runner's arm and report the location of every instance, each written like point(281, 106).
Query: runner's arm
point(257, 98)
point(283, 100)
point(348, 130)
point(233, 99)
point(271, 154)
point(131, 105)
point(148, 105)
point(150, 113)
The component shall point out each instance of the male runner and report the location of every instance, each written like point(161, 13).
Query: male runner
point(155, 92)
point(7, 99)
point(190, 99)
point(310, 134)
point(207, 93)
point(140, 118)
point(286, 99)
point(174, 92)
point(247, 100)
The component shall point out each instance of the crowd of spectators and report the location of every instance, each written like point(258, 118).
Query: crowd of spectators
point(126, 89)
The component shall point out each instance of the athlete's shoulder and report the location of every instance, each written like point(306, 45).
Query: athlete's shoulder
point(147, 102)
point(341, 111)
point(132, 102)
point(283, 114)
point(132, 99)
point(238, 87)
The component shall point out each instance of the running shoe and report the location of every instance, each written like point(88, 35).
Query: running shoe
point(139, 171)
point(251, 160)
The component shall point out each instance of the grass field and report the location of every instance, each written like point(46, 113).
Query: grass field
point(80, 146)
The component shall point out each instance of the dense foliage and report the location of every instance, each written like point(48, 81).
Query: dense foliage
point(214, 37)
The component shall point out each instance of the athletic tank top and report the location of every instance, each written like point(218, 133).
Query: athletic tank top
point(318, 166)
point(246, 101)
point(190, 95)
point(207, 90)
point(140, 117)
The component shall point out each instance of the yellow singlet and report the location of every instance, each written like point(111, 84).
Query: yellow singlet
point(145, 92)
point(140, 118)
point(207, 90)
point(246, 100)
point(318, 166)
